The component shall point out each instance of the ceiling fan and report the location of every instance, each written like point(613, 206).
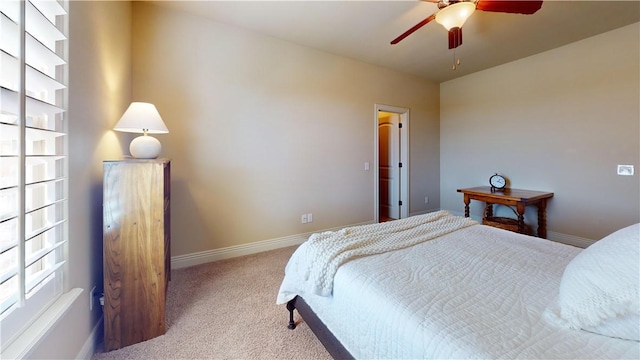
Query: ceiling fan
point(453, 14)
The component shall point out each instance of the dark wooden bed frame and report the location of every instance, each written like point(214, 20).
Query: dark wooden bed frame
point(333, 346)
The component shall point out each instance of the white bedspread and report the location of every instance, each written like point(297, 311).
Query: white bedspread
point(478, 292)
point(315, 262)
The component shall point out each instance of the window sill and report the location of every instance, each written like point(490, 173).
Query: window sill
point(32, 336)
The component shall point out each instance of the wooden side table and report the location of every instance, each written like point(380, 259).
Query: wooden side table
point(511, 197)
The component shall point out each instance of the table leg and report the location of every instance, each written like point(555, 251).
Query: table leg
point(489, 208)
point(542, 219)
point(520, 208)
point(466, 205)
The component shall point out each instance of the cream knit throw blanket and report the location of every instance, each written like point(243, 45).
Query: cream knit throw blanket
point(322, 254)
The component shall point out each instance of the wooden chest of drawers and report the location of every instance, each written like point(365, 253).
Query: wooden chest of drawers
point(136, 235)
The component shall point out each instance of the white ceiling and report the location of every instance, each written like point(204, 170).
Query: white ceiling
point(362, 30)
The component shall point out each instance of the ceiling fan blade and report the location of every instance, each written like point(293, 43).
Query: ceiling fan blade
point(512, 7)
point(414, 28)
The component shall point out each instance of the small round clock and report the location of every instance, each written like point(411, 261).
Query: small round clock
point(497, 182)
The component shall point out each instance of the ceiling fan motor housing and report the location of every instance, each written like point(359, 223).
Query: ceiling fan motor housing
point(455, 37)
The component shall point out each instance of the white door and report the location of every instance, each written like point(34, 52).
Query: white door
point(389, 165)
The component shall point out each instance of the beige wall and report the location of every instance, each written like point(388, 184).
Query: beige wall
point(262, 130)
point(559, 121)
point(99, 92)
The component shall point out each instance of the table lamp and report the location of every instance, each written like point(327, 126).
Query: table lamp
point(143, 118)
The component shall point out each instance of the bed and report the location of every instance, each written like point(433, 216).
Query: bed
point(444, 286)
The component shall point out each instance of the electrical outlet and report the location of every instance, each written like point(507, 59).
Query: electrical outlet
point(92, 298)
point(625, 170)
point(304, 218)
point(426, 199)
point(309, 217)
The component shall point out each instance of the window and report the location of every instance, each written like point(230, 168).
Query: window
point(33, 159)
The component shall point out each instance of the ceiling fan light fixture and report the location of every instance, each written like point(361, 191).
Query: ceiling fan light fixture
point(455, 15)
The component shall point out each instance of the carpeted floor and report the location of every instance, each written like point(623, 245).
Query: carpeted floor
point(227, 310)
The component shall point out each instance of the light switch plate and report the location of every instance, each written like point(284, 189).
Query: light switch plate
point(626, 170)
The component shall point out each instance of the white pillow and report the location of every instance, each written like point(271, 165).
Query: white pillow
point(625, 327)
point(603, 283)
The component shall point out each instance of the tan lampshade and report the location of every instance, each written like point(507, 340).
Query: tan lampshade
point(455, 15)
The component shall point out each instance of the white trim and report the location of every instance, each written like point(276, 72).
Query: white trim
point(202, 257)
point(422, 212)
point(91, 344)
point(569, 239)
point(553, 236)
point(33, 335)
point(460, 213)
point(404, 156)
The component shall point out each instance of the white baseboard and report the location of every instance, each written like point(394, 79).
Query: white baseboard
point(91, 344)
point(202, 257)
point(422, 212)
point(553, 236)
point(569, 239)
point(182, 261)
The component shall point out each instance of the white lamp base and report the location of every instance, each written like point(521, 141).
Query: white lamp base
point(145, 147)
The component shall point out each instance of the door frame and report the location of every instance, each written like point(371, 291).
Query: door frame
point(404, 158)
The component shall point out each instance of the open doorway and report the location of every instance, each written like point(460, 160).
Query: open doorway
point(391, 163)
